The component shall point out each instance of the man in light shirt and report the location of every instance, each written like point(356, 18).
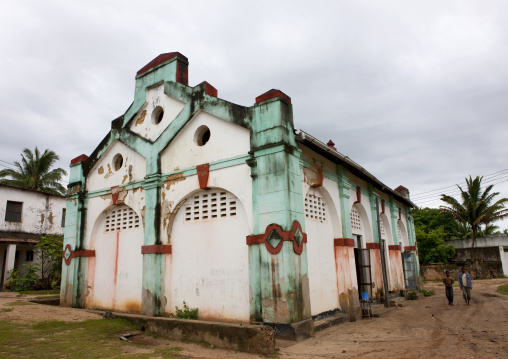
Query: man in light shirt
point(465, 284)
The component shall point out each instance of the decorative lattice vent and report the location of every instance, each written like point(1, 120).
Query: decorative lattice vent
point(315, 208)
point(399, 233)
point(210, 206)
point(121, 218)
point(383, 230)
point(356, 222)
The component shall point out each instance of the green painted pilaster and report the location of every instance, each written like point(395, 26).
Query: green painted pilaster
point(279, 282)
point(153, 264)
point(73, 284)
point(372, 201)
point(394, 215)
point(345, 209)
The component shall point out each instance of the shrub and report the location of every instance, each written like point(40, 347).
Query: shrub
point(24, 278)
point(426, 293)
point(186, 312)
point(412, 296)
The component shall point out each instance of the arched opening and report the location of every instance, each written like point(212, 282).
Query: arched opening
point(402, 234)
point(209, 267)
point(115, 273)
point(361, 234)
point(320, 219)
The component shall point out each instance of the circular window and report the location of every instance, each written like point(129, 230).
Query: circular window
point(157, 115)
point(202, 135)
point(117, 162)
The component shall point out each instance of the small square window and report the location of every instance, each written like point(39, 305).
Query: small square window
point(13, 211)
point(29, 256)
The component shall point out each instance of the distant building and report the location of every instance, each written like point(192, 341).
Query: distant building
point(25, 216)
point(228, 208)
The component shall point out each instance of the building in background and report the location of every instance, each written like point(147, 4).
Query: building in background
point(228, 208)
point(25, 216)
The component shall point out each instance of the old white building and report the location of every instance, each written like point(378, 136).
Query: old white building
point(25, 216)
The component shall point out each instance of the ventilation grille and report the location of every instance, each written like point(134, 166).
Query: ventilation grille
point(383, 231)
point(315, 208)
point(211, 206)
point(356, 222)
point(120, 219)
point(399, 233)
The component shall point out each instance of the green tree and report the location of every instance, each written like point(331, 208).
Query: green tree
point(476, 207)
point(489, 229)
point(34, 172)
point(49, 251)
point(463, 231)
point(432, 228)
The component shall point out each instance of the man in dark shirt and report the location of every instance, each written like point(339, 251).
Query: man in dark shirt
point(448, 282)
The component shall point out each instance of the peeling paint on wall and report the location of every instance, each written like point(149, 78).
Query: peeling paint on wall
point(173, 179)
point(141, 118)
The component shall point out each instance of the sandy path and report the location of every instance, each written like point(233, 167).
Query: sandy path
point(425, 328)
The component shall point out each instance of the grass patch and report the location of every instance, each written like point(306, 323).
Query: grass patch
point(17, 304)
point(92, 339)
point(426, 293)
point(39, 292)
point(6, 310)
point(503, 289)
point(48, 297)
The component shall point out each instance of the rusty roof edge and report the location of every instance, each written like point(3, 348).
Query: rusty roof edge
point(302, 137)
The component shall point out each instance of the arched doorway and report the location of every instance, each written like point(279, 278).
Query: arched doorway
point(209, 267)
point(361, 230)
point(320, 219)
point(117, 268)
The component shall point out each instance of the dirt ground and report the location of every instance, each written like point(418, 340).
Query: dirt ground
point(425, 328)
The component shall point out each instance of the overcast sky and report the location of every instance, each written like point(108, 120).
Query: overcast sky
point(414, 91)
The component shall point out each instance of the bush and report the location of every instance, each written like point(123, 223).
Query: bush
point(412, 296)
point(24, 278)
point(186, 312)
point(426, 293)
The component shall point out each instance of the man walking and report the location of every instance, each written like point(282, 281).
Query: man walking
point(465, 284)
point(448, 282)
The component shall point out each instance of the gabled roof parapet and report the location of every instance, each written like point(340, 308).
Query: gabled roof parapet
point(273, 93)
point(78, 159)
point(182, 75)
point(209, 89)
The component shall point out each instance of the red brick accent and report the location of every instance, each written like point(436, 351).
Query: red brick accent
point(209, 89)
point(409, 248)
point(331, 145)
point(401, 187)
point(157, 249)
point(394, 247)
point(81, 158)
point(203, 173)
point(358, 194)
point(182, 75)
point(343, 242)
point(273, 93)
point(76, 254)
point(285, 235)
point(372, 245)
point(319, 182)
point(382, 206)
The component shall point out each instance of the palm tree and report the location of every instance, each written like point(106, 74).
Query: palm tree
point(34, 172)
point(477, 207)
point(489, 229)
point(463, 231)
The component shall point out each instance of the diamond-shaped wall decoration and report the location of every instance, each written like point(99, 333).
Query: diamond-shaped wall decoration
point(67, 253)
point(298, 236)
point(274, 238)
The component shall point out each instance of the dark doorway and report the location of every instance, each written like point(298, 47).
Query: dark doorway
point(363, 273)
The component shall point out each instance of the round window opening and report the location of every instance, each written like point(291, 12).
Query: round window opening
point(202, 135)
point(117, 162)
point(157, 115)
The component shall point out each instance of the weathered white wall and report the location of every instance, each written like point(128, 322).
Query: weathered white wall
point(504, 260)
point(115, 273)
point(103, 174)
point(209, 265)
point(226, 140)
point(41, 213)
point(143, 123)
point(489, 241)
point(324, 295)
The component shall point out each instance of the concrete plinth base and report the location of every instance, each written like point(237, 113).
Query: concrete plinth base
point(242, 337)
point(293, 331)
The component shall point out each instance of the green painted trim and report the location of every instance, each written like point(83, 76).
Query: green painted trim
point(345, 209)
point(394, 217)
point(372, 203)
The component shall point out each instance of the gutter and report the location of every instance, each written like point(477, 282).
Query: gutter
point(337, 157)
